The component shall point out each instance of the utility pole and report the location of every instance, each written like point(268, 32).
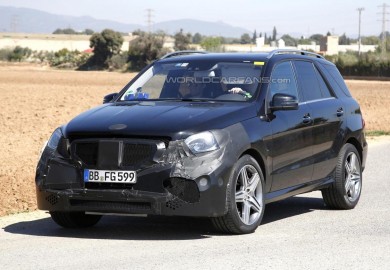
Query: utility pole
point(149, 21)
point(360, 17)
point(14, 23)
point(384, 20)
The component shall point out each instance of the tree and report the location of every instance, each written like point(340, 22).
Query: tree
point(289, 40)
point(88, 31)
point(182, 41)
point(274, 34)
point(211, 44)
point(317, 38)
point(254, 37)
point(245, 39)
point(370, 40)
point(197, 38)
point(145, 49)
point(344, 40)
point(328, 34)
point(265, 38)
point(105, 45)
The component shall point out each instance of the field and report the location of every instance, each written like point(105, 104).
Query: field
point(36, 100)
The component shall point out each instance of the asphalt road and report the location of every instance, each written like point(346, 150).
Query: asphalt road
point(297, 233)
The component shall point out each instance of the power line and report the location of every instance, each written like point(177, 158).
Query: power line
point(384, 20)
point(360, 17)
point(149, 21)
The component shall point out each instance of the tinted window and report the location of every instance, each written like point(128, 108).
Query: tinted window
point(324, 88)
point(283, 80)
point(335, 79)
point(307, 79)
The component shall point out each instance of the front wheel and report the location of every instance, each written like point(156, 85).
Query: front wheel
point(345, 191)
point(74, 219)
point(245, 198)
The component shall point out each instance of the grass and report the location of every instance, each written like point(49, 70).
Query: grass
point(377, 133)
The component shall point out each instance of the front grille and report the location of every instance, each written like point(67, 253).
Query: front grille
point(114, 154)
point(135, 154)
point(111, 206)
point(87, 152)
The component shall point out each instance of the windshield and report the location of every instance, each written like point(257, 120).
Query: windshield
point(196, 80)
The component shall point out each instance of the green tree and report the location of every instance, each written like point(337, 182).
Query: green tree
point(245, 39)
point(88, 31)
point(197, 38)
point(289, 40)
point(254, 36)
point(212, 44)
point(274, 34)
point(105, 45)
point(317, 38)
point(370, 40)
point(19, 53)
point(182, 41)
point(145, 49)
point(344, 40)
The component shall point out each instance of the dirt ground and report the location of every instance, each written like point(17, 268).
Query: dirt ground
point(36, 100)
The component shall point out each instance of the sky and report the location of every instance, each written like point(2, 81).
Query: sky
point(299, 16)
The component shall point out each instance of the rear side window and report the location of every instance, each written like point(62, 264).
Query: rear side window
point(283, 80)
point(324, 88)
point(308, 81)
point(335, 79)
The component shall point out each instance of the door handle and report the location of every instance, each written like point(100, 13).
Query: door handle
point(306, 119)
point(340, 112)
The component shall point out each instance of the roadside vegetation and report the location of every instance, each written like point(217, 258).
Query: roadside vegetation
point(106, 53)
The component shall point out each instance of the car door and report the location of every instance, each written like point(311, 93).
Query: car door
point(326, 113)
point(291, 147)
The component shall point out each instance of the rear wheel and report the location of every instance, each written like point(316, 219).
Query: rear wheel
point(74, 219)
point(245, 198)
point(345, 191)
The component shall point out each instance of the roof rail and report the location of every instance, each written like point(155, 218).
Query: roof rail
point(292, 51)
point(178, 53)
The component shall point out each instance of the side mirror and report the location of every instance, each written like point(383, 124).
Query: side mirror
point(283, 102)
point(109, 97)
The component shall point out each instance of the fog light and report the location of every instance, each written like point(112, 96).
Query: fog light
point(203, 182)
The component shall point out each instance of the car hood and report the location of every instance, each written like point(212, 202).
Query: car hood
point(172, 119)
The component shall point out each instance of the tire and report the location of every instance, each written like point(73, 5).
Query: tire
point(74, 219)
point(245, 198)
point(345, 192)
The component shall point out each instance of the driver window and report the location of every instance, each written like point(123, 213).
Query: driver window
point(283, 80)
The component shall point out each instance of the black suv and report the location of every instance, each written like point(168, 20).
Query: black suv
point(215, 135)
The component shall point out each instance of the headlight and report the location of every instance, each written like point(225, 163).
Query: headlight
point(202, 142)
point(54, 139)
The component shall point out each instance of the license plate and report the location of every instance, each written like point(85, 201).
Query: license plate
point(101, 176)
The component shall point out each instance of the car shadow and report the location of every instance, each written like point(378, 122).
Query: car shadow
point(292, 207)
point(159, 227)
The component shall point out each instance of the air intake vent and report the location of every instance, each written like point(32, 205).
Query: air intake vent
point(52, 199)
point(111, 206)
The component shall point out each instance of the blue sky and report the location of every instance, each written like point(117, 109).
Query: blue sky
point(307, 17)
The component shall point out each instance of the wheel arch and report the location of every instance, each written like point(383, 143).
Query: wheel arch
point(257, 156)
point(357, 145)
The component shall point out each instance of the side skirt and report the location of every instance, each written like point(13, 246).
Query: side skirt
point(298, 189)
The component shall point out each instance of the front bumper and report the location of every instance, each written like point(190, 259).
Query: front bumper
point(178, 183)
